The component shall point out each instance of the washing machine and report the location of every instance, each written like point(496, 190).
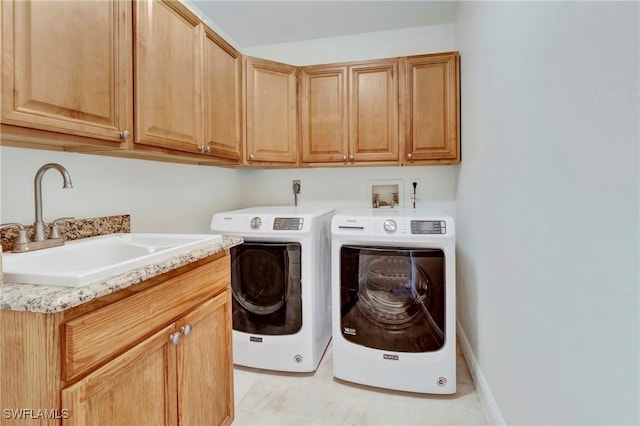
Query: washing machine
point(393, 298)
point(281, 285)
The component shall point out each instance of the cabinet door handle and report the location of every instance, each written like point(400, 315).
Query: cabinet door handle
point(409, 155)
point(186, 329)
point(351, 157)
point(125, 134)
point(175, 337)
point(344, 158)
point(251, 156)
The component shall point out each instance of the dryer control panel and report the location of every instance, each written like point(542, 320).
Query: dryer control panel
point(428, 227)
point(288, 223)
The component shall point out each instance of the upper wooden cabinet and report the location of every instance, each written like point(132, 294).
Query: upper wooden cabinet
point(324, 123)
point(373, 111)
point(188, 80)
point(148, 79)
point(271, 112)
point(168, 76)
point(432, 109)
point(349, 112)
point(66, 68)
point(222, 98)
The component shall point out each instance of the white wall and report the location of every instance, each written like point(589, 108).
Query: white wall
point(382, 44)
point(160, 197)
point(350, 187)
point(547, 206)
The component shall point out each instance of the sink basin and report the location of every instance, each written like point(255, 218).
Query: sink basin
point(84, 261)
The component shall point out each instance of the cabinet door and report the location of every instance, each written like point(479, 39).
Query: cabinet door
point(136, 388)
point(373, 111)
point(222, 98)
point(271, 127)
point(168, 69)
point(432, 109)
point(67, 67)
point(205, 364)
point(324, 114)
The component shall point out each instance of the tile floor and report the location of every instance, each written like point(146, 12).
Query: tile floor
point(273, 398)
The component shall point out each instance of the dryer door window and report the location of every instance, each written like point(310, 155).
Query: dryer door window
point(265, 282)
point(393, 298)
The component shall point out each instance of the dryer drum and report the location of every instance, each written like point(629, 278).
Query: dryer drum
point(393, 292)
point(264, 288)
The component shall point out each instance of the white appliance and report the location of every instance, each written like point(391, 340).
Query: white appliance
point(393, 297)
point(281, 285)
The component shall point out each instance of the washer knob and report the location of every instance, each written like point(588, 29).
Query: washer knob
point(390, 225)
point(256, 223)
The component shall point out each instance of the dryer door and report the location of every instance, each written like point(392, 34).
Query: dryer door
point(265, 281)
point(393, 298)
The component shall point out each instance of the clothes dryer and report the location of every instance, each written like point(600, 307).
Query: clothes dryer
point(393, 297)
point(281, 285)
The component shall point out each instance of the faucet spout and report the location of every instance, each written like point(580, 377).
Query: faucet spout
point(39, 223)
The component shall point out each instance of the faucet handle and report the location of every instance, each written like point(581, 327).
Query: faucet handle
point(22, 233)
point(55, 232)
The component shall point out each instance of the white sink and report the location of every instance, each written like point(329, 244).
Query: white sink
point(84, 261)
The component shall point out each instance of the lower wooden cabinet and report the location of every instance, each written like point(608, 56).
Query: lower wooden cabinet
point(138, 387)
point(205, 364)
point(157, 353)
point(179, 375)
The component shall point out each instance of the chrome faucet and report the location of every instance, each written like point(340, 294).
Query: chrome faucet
point(40, 241)
point(39, 224)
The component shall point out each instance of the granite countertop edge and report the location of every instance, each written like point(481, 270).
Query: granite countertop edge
point(52, 299)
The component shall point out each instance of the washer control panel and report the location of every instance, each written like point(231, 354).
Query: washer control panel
point(428, 227)
point(288, 223)
point(389, 225)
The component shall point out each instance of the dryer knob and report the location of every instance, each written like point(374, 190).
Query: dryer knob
point(390, 225)
point(256, 223)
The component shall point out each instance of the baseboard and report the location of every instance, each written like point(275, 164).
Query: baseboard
point(482, 387)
